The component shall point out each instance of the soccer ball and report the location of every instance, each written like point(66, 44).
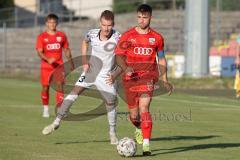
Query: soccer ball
point(126, 147)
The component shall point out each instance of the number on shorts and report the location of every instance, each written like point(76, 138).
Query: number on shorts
point(81, 79)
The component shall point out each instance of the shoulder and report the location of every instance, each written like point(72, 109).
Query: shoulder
point(129, 32)
point(41, 35)
point(60, 33)
point(116, 35)
point(93, 32)
point(157, 34)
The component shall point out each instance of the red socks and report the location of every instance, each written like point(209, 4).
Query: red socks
point(45, 98)
point(146, 125)
point(59, 98)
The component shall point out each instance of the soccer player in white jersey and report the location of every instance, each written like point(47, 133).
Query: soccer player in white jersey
point(103, 42)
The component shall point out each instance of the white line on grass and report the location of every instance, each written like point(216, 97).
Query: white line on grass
point(197, 102)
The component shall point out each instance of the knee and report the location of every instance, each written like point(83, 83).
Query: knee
point(45, 88)
point(134, 116)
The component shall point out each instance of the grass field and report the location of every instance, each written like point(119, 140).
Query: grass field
point(186, 126)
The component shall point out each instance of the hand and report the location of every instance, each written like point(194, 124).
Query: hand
point(85, 68)
point(110, 79)
point(51, 60)
point(129, 71)
point(168, 87)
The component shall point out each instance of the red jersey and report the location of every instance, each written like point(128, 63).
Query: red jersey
point(140, 49)
point(52, 47)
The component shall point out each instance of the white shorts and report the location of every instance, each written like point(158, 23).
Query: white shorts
point(108, 92)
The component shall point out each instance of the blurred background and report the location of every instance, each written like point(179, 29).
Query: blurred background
point(200, 36)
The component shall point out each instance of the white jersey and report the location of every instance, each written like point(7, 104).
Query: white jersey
point(104, 50)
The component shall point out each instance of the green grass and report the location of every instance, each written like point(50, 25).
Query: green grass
point(186, 126)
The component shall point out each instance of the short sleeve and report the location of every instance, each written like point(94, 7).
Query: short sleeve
point(122, 46)
point(39, 43)
point(65, 42)
point(160, 46)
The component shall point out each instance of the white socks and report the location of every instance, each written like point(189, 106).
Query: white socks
point(45, 107)
point(57, 121)
point(145, 141)
point(112, 119)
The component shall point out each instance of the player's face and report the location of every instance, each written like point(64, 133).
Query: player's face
point(143, 19)
point(51, 24)
point(106, 26)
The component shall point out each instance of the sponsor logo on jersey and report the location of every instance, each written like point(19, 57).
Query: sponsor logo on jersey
point(143, 51)
point(133, 40)
point(53, 46)
point(59, 39)
point(151, 40)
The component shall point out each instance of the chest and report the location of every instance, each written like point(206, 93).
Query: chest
point(142, 46)
point(53, 42)
point(106, 47)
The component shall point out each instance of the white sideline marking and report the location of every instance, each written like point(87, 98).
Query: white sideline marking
point(20, 105)
point(197, 102)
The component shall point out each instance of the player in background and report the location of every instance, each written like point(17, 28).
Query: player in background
point(49, 46)
point(99, 39)
point(136, 54)
point(237, 62)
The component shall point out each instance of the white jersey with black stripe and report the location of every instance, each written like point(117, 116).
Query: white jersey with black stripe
point(103, 50)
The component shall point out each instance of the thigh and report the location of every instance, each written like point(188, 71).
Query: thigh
point(82, 81)
point(144, 102)
point(108, 92)
point(58, 75)
point(130, 95)
point(45, 75)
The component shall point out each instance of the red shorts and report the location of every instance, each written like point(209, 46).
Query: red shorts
point(134, 89)
point(53, 75)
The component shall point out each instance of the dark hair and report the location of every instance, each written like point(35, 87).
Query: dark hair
point(52, 16)
point(144, 8)
point(108, 15)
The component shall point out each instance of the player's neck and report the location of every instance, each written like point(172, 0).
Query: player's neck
point(51, 32)
point(103, 37)
point(142, 31)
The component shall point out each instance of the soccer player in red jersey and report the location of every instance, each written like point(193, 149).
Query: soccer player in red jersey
point(136, 54)
point(49, 46)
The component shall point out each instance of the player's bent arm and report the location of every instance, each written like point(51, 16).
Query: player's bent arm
point(116, 73)
point(120, 59)
point(84, 55)
point(43, 57)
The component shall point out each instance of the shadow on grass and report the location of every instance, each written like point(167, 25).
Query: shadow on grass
point(176, 138)
point(90, 141)
point(197, 147)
